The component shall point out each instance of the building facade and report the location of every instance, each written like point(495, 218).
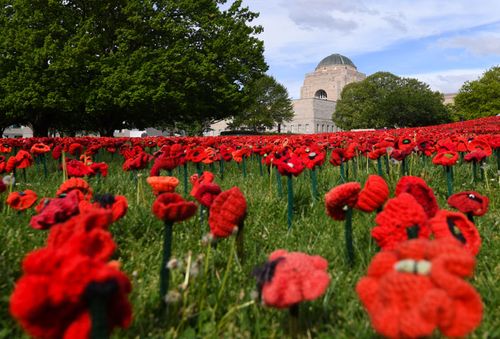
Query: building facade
point(318, 96)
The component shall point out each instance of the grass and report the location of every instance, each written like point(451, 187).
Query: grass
point(202, 308)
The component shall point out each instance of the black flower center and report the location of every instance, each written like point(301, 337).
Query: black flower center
point(105, 200)
point(455, 231)
point(265, 273)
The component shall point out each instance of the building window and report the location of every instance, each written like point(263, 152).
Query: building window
point(322, 128)
point(299, 126)
point(307, 128)
point(320, 94)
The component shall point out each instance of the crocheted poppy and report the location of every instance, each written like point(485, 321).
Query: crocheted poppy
point(480, 145)
point(75, 149)
point(289, 165)
point(55, 211)
point(417, 187)
point(402, 218)
point(476, 156)
point(39, 148)
point(75, 184)
point(137, 162)
point(162, 184)
point(206, 193)
point(228, 210)
point(196, 180)
point(172, 207)
point(99, 167)
point(196, 155)
point(469, 202)
point(446, 224)
point(340, 197)
point(117, 204)
point(448, 158)
point(373, 195)
point(77, 168)
point(419, 287)
point(167, 163)
point(289, 278)
point(312, 156)
point(337, 156)
point(23, 159)
point(21, 200)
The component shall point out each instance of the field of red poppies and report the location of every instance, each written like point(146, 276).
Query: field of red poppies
point(344, 235)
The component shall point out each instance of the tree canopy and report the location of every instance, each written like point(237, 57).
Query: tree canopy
point(105, 65)
point(269, 105)
point(479, 98)
point(386, 100)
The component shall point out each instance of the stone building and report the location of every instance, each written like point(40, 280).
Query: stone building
point(318, 96)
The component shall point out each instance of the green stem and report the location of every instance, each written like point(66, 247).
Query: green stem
point(293, 313)
point(240, 245)
point(280, 185)
point(290, 201)
point(449, 179)
point(199, 168)
point(44, 166)
point(185, 178)
point(348, 237)
point(314, 183)
point(342, 174)
point(379, 166)
point(259, 159)
point(167, 251)
point(99, 317)
point(221, 169)
point(244, 166)
point(474, 171)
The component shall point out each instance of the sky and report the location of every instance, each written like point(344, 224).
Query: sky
point(440, 42)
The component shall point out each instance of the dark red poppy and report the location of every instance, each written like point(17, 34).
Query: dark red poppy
point(137, 162)
point(117, 204)
point(289, 165)
point(75, 149)
point(196, 155)
point(205, 178)
point(337, 157)
point(403, 218)
point(476, 155)
point(77, 168)
point(39, 148)
point(75, 184)
point(21, 200)
point(417, 187)
point(288, 278)
point(206, 193)
point(166, 163)
point(56, 211)
point(227, 211)
point(172, 207)
point(341, 197)
point(373, 195)
point(469, 202)
point(419, 287)
point(448, 158)
point(99, 167)
point(446, 224)
point(57, 152)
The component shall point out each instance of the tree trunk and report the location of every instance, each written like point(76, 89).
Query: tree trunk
point(40, 129)
point(279, 128)
point(107, 132)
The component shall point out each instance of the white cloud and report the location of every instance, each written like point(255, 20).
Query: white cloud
point(481, 43)
point(448, 81)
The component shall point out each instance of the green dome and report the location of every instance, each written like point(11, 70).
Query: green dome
point(335, 59)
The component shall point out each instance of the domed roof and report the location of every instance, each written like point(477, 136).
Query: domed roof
point(335, 59)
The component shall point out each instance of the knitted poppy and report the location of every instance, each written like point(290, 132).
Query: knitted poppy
point(75, 149)
point(21, 200)
point(39, 148)
point(75, 183)
point(172, 207)
point(23, 159)
point(373, 195)
point(227, 211)
point(290, 165)
point(469, 202)
point(162, 184)
point(167, 163)
point(5, 148)
point(338, 198)
point(77, 168)
point(402, 218)
point(56, 211)
point(419, 287)
point(57, 152)
point(480, 145)
point(311, 156)
point(206, 193)
point(476, 155)
point(447, 158)
point(337, 156)
point(117, 204)
point(196, 155)
point(289, 278)
point(446, 224)
point(99, 167)
point(206, 177)
point(417, 187)
point(136, 162)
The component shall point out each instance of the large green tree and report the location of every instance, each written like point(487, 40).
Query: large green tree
point(386, 100)
point(269, 105)
point(479, 98)
point(104, 65)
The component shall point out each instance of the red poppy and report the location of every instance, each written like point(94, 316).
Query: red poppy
point(340, 197)
point(446, 224)
point(57, 152)
point(290, 278)
point(196, 155)
point(289, 165)
point(99, 167)
point(227, 211)
point(205, 178)
point(417, 187)
point(206, 193)
point(447, 158)
point(337, 157)
point(117, 204)
point(77, 168)
point(21, 200)
point(75, 184)
point(172, 207)
point(162, 184)
point(373, 195)
point(4, 148)
point(75, 149)
point(311, 156)
point(167, 163)
point(137, 162)
point(55, 211)
point(476, 155)
point(22, 160)
point(402, 218)
point(480, 145)
point(469, 202)
point(418, 287)
point(39, 148)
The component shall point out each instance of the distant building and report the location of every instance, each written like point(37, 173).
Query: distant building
point(318, 96)
point(449, 98)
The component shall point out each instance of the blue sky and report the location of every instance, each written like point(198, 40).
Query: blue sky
point(442, 43)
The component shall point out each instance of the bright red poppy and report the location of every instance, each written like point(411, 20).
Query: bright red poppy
point(172, 207)
point(417, 187)
point(341, 197)
point(21, 200)
point(227, 212)
point(373, 195)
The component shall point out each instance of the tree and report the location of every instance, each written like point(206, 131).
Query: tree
point(386, 100)
point(269, 105)
point(105, 65)
point(479, 98)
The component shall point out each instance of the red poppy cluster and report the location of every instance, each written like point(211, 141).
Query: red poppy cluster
point(60, 281)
